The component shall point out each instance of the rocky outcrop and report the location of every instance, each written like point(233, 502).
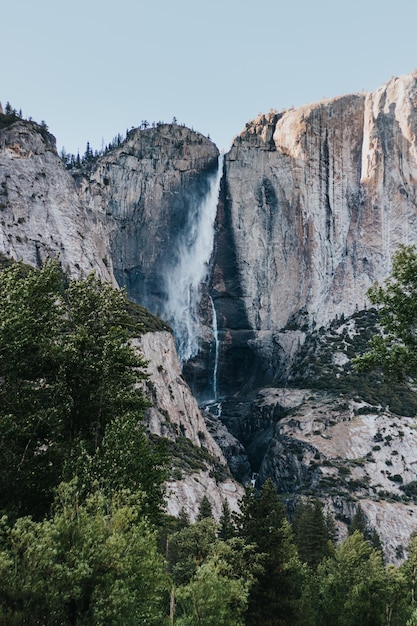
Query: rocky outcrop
point(341, 451)
point(187, 494)
point(175, 410)
point(175, 414)
point(41, 213)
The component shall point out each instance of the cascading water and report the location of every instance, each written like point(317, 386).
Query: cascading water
point(190, 270)
point(216, 351)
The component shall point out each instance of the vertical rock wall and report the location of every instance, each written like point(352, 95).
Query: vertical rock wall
point(318, 199)
point(148, 187)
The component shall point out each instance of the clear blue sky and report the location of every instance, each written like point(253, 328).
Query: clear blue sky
point(93, 68)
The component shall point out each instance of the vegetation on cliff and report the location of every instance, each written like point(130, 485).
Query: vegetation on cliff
point(11, 116)
point(83, 537)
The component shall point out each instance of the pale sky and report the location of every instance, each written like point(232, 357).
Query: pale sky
point(94, 68)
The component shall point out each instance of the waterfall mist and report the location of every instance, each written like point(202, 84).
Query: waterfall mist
point(190, 270)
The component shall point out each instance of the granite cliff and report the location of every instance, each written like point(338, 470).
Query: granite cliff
point(311, 205)
point(41, 211)
point(317, 199)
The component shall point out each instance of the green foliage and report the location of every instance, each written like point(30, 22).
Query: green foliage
point(352, 585)
point(315, 366)
point(143, 321)
point(94, 562)
point(409, 570)
point(90, 156)
point(211, 577)
point(188, 547)
point(214, 596)
point(360, 523)
point(311, 534)
point(274, 595)
point(187, 457)
point(127, 458)
point(227, 528)
point(68, 374)
point(10, 116)
point(395, 349)
point(205, 509)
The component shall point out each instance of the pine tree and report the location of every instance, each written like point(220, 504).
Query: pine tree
point(205, 510)
point(273, 597)
point(360, 522)
point(68, 389)
point(311, 534)
point(226, 527)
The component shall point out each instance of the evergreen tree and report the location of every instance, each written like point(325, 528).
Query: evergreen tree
point(188, 548)
point(409, 569)
point(226, 527)
point(183, 518)
point(360, 523)
point(217, 594)
point(92, 562)
point(395, 349)
point(273, 597)
point(311, 534)
point(88, 154)
point(68, 388)
point(205, 509)
point(213, 597)
point(352, 586)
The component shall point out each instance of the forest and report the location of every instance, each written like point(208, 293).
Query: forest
point(84, 536)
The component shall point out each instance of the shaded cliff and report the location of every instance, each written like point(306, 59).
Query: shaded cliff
point(149, 187)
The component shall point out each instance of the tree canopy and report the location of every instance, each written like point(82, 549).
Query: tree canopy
point(92, 562)
point(68, 391)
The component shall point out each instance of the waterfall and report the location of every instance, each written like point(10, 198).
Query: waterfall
point(216, 351)
point(190, 269)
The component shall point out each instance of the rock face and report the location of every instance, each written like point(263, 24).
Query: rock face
point(318, 199)
point(175, 414)
point(122, 217)
point(41, 212)
point(175, 410)
point(149, 188)
point(343, 452)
